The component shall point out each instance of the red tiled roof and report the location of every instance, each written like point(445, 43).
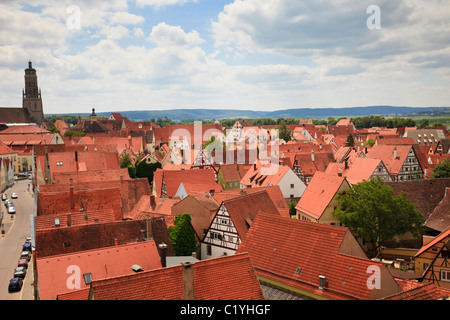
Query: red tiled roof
point(264, 175)
point(387, 153)
point(426, 193)
point(243, 210)
point(361, 169)
point(274, 193)
point(59, 203)
point(295, 253)
point(439, 219)
point(418, 291)
point(233, 172)
point(57, 272)
point(214, 279)
point(23, 129)
point(76, 218)
point(144, 209)
point(100, 235)
point(4, 149)
point(173, 179)
point(319, 193)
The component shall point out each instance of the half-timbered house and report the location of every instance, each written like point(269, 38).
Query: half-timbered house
point(433, 261)
point(231, 222)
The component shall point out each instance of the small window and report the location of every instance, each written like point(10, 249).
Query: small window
point(292, 186)
point(57, 222)
point(445, 275)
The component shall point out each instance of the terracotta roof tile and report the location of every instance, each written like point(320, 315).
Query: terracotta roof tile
point(214, 279)
point(99, 235)
point(173, 179)
point(55, 273)
point(295, 253)
point(319, 193)
point(418, 291)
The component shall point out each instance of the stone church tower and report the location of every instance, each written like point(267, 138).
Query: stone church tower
point(32, 100)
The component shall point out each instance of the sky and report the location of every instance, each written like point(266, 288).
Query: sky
point(226, 54)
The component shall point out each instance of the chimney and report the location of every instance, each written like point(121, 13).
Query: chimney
point(76, 159)
point(188, 280)
point(322, 282)
point(211, 192)
point(163, 253)
point(149, 229)
point(312, 156)
point(152, 201)
point(71, 196)
point(395, 153)
point(69, 219)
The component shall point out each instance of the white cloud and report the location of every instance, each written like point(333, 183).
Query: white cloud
point(161, 3)
point(126, 18)
point(167, 35)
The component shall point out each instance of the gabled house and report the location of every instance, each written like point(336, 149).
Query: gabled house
point(320, 198)
point(306, 165)
point(400, 160)
point(231, 222)
point(361, 169)
point(313, 261)
point(266, 175)
point(433, 261)
point(213, 279)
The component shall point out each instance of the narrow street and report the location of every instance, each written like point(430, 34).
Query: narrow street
point(15, 230)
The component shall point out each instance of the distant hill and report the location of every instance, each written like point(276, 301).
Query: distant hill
point(314, 113)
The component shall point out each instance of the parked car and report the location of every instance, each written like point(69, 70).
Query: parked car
point(26, 247)
point(4, 197)
point(8, 203)
point(22, 263)
point(25, 255)
point(20, 272)
point(15, 284)
point(14, 195)
point(11, 210)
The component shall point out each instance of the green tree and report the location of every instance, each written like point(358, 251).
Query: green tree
point(74, 133)
point(350, 142)
point(442, 170)
point(146, 170)
point(284, 132)
point(292, 210)
point(369, 142)
point(424, 123)
point(182, 235)
point(125, 160)
point(371, 211)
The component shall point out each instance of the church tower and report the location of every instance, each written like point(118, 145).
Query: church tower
point(32, 100)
